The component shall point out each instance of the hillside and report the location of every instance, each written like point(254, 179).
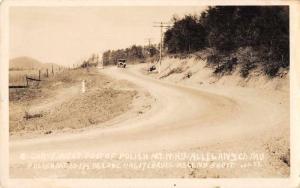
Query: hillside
point(196, 69)
point(25, 63)
point(253, 38)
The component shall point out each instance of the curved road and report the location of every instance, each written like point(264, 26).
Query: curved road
point(181, 118)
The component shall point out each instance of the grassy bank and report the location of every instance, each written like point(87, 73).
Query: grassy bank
point(58, 104)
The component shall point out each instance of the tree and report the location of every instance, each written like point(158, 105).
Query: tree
point(228, 28)
point(186, 35)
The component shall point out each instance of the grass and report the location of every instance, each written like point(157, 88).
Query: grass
point(176, 70)
point(17, 77)
point(100, 103)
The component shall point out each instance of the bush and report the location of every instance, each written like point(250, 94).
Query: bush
point(246, 68)
point(176, 70)
point(213, 59)
point(187, 75)
point(271, 70)
point(227, 67)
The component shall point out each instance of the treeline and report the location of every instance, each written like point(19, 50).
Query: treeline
point(132, 54)
point(227, 29)
point(93, 60)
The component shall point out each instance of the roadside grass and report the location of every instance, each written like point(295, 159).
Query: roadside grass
point(101, 102)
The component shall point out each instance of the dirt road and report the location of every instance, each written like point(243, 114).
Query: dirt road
point(182, 118)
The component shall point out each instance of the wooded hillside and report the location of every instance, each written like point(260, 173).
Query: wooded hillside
point(264, 29)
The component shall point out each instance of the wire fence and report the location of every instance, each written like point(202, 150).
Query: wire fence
point(26, 79)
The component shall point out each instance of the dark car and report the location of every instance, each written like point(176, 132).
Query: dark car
point(121, 63)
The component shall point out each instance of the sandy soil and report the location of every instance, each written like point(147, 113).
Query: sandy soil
point(175, 70)
point(182, 118)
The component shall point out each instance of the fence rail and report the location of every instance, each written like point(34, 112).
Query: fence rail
point(33, 79)
point(16, 87)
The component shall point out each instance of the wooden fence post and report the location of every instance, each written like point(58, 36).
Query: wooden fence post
point(39, 74)
point(52, 70)
point(47, 73)
point(26, 81)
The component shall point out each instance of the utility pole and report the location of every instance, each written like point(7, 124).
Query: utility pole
point(149, 44)
point(149, 50)
point(161, 25)
point(97, 59)
point(149, 41)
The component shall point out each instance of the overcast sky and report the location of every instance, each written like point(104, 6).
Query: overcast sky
point(66, 35)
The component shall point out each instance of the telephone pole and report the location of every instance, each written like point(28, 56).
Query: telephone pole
point(149, 41)
point(149, 50)
point(161, 25)
point(149, 44)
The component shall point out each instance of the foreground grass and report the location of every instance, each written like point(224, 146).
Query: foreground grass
point(57, 104)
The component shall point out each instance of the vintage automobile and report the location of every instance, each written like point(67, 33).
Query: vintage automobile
point(121, 63)
point(151, 68)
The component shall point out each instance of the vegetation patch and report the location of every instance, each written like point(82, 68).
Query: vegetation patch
point(246, 68)
point(176, 70)
point(40, 111)
point(226, 67)
point(261, 32)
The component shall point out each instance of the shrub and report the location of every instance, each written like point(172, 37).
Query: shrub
point(213, 59)
point(271, 70)
point(176, 70)
point(188, 75)
point(227, 67)
point(246, 68)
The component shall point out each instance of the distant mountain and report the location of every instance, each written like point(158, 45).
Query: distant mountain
point(23, 63)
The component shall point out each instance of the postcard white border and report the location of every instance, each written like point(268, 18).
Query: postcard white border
point(293, 181)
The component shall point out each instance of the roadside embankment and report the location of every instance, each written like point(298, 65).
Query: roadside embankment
point(271, 95)
point(196, 71)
